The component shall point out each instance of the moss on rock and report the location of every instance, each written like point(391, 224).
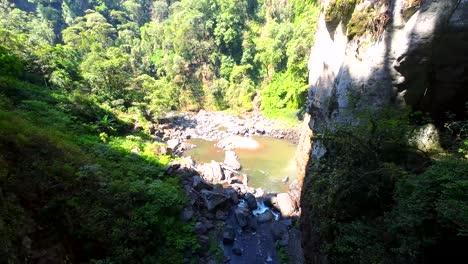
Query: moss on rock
point(339, 10)
point(361, 22)
point(368, 21)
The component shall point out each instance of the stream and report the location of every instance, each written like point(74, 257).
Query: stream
point(255, 218)
point(266, 166)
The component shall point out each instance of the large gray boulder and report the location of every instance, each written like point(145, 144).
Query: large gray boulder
point(213, 200)
point(242, 216)
point(229, 234)
point(212, 172)
point(266, 216)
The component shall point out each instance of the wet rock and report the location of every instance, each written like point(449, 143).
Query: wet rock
point(213, 199)
point(231, 160)
point(242, 216)
point(285, 204)
point(229, 235)
point(251, 201)
point(266, 216)
point(270, 201)
point(200, 229)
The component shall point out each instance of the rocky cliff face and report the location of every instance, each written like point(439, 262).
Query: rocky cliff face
point(381, 52)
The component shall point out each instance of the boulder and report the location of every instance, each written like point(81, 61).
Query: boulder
point(229, 235)
point(251, 201)
point(173, 144)
point(271, 201)
point(221, 215)
point(242, 216)
point(252, 224)
point(163, 150)
point(208, 224)
point(231, 160)
point(187, 214)
point(212, 172)
point(285, 204)
point(242, 189)
point(232, 195)
point(200, 229)
point(213, 199)
point(259, 192)
point(199, 183)
point(266, 216)
point(279, 230)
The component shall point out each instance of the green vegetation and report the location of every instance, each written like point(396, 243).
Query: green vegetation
point(378, 199)
point(339, 10)
point(144, 57)
point(80, 84)
point(282, 254)
point(358, 21)
point(62, 187)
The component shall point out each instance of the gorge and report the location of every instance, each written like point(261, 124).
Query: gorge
point(233, 131)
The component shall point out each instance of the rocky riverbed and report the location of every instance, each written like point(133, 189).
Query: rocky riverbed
point(235, 223)
point(214, 126)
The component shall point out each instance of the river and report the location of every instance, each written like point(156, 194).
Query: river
point(265, 166)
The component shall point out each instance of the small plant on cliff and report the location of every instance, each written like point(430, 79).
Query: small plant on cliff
point(367, 21)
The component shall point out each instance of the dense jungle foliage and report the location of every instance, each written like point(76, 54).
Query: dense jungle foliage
point(148, 56)
point(81, 81)
point(379, 196)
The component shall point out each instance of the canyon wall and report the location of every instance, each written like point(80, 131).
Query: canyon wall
point(374, 53)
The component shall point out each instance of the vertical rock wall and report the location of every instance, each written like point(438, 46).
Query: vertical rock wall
point(414, 53)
